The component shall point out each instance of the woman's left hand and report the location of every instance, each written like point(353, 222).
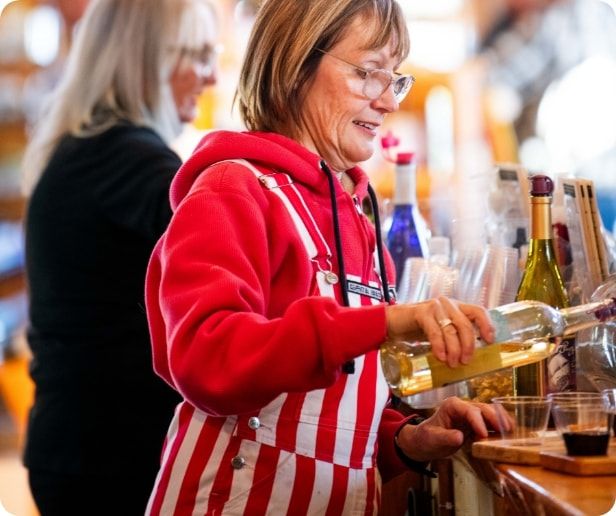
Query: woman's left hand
point(442, 434)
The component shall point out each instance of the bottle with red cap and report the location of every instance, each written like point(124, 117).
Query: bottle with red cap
point(542, 281)
point(407, 236)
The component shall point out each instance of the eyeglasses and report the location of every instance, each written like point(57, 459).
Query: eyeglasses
point(377, 80)
point(204, 58)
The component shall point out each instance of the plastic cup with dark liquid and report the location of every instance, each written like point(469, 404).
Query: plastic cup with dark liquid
point(584, 424)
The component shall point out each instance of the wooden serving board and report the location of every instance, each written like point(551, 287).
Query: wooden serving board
point(595, 465)
point(513, 451)
point(550, 454)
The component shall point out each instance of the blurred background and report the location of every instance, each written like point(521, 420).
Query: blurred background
point(523, 82)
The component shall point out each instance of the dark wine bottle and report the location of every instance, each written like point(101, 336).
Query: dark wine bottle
point(407, 236)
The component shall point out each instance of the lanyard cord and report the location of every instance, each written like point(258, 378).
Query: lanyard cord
point(349, 367)
point(379, 243)
point(337, 237)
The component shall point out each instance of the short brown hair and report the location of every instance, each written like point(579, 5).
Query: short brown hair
point(281, 59)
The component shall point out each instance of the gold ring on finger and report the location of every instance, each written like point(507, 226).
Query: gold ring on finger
point(444, 322)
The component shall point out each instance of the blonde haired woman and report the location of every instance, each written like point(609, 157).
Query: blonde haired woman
point(98, 168)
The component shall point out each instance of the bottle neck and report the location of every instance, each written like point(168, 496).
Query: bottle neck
point(405, 187)
point(541, 218)
point(590, 314)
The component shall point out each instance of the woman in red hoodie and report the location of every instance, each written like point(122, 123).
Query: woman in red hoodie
point(265, 301)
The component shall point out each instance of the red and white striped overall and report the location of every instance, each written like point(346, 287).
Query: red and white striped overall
point(304, 453)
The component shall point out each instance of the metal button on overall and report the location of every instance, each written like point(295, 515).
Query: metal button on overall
point(331, 277)
point(254, 423)
point(238, 462)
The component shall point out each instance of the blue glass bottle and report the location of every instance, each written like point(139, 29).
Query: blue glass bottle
point(407, 235)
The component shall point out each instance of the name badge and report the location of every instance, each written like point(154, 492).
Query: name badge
point(364, 290)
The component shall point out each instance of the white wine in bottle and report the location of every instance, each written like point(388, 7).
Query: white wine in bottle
point(523, 332)
point(542, 281)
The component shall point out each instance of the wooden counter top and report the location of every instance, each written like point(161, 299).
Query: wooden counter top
point(521, 485)
point(563, 494)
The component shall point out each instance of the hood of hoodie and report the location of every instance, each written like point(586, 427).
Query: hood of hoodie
point(268, 149)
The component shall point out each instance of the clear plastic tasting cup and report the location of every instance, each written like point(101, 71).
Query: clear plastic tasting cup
point(522, 418)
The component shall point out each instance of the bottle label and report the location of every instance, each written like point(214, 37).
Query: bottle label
point(561, 366)
point(487, 359)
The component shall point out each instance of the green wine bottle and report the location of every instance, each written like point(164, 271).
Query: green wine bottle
point(542, 281)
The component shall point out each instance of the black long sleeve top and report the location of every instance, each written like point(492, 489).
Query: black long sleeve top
point(92, 222)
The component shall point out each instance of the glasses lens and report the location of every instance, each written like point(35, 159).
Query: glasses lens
point(203, 59)
point(205, 69)
point(376, 83)
point(402, 86)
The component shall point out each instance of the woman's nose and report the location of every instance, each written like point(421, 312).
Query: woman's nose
point(387, 101)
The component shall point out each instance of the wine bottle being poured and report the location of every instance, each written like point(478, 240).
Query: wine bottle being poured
point(524, 333)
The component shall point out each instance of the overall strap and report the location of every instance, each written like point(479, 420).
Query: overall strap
point(281, 184)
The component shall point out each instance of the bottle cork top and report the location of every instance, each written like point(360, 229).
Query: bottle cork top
point(541, 185)
point(404, 158)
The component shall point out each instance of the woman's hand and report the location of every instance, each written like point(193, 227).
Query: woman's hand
point(449, 325)
point(442, 434)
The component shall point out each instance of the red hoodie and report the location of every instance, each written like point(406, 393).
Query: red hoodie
point(246, 329)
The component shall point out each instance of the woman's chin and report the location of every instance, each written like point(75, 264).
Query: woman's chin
point(363, 154)
point(188, 113)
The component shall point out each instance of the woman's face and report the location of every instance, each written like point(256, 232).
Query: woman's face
point(195, 69)
point(338, 122)
point(193, 72)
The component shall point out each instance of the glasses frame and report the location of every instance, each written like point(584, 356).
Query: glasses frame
point(393, 78)
point(205, 59)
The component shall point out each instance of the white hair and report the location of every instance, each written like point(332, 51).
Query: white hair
point(119, 68)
